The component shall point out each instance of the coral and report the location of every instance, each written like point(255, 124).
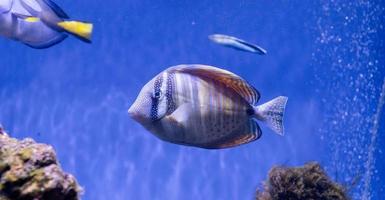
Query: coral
point(297, 183)
point(30, 171)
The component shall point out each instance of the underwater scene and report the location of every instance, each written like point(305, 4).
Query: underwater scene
point(182, 99)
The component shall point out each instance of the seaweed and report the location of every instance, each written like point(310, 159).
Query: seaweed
point(297, 183)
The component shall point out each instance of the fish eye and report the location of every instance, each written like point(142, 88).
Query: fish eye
point(157, 94)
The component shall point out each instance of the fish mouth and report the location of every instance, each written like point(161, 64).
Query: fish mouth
point(135, 115)
point(139, 117)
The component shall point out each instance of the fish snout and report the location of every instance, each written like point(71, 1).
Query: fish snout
point(135, 114)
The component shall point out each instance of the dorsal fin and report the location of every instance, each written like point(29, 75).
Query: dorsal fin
point(232, 81)
point(56, 9)
point(43, 6)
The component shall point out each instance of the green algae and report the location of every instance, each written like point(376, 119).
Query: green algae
point(29, 170)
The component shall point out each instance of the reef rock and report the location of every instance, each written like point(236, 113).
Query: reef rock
point(298, 183)
point(30, 171)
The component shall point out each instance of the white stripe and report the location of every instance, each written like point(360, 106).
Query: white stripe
point(189, 82)
point(179, 88)
point(190, 95)
point(203, 99)
point(164, 83)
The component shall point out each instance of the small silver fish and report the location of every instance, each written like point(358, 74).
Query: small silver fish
point(39, 23)
point(236, 43)
point(205, 106)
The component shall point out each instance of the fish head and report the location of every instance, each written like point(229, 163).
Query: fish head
point(5, 6)
point(150, 105)
point(221, 39)
point(215, 38)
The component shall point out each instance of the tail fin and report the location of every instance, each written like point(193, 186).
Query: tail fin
point(272, 113)
point(81, 30)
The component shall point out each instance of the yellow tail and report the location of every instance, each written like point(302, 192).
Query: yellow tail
point(79, 29)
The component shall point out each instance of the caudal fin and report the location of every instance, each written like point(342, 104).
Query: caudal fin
point(272, 113)
point(81, 30)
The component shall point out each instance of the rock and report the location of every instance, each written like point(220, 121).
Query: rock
point(30, 171)
point(297, 183)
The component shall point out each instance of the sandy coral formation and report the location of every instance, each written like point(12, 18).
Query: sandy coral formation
point(30, 171)
point(298, 183)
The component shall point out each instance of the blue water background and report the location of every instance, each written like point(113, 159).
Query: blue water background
point(326, 56)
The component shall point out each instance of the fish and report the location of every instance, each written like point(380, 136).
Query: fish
point(39, 23)
point(236, 43)
point(205, 106)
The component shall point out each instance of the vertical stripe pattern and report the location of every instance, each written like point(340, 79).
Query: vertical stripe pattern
point(171, 106)
point(217, 111)
point(155, 97)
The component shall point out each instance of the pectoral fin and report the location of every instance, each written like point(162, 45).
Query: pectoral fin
point(181, 114)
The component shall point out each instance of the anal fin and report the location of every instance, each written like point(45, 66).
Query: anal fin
point(252, 134)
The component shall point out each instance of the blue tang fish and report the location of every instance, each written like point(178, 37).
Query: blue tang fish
point(236, 43)
point(39, 23)
point(205, 106)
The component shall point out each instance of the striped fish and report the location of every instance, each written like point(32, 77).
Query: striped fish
point(204, 106)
